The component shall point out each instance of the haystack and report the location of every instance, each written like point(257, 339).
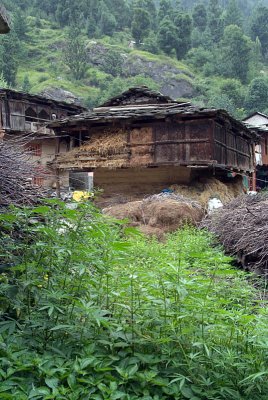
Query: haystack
point(159, 214)
point(207, 188)
point(242, 227)
point(105, 149)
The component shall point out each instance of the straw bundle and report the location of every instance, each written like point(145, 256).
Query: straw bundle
point(106, 144)
point(242, 227)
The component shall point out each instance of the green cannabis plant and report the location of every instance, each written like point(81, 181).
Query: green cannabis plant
point(90, 309)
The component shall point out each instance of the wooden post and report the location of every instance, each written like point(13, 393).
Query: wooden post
point(57, 169)
point(254, 181)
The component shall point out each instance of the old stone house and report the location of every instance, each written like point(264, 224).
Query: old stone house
point(142, 141)
point(22, 116)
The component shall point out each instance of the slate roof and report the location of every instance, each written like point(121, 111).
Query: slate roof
point(255, 113)
point(157, 107)
point(34, 98)
point(142, 94)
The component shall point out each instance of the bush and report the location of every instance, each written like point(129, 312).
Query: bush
point(91, 310)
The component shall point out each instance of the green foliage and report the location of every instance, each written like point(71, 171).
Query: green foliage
point(215, 21)
point(112, 62)
point(200, 17)
point(257, 96)
point(234, 47)
point(151, 43)
point(75, 55)
point(233, 14)
point(167, 36)
point(91, 310)
point(9, 57)
point(140, 25)
point(191, 30)
point(3, 82)
point(227, 94)
point(116, 86)
point(199, 57)
point(259, 27)
point(26, 86)
point(183, 23)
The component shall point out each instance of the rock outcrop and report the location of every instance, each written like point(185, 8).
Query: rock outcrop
point(173, 81)
point(59, 94)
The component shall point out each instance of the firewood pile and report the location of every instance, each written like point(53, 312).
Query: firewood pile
point(242, 227)
point(16, 173)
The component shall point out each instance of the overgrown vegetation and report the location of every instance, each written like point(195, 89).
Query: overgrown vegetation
point(92, 310)
point(50, 47)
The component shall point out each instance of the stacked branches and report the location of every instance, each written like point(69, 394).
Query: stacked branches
point(17, 172)
point(242, 227)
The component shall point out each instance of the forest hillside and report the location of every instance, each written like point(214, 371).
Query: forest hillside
point(213, 52)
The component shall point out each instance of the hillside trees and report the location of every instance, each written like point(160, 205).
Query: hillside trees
point(259, 28)
point(167, 36)
point(9, 57)
point(140, 24)
point(233, 14)
point(183, 24)
point(257, 97)
point(215, 21)
point(200, 18)
point(234, 47)
point(75, 55)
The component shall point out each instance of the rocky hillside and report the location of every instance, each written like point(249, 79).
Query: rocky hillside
point(110, 68)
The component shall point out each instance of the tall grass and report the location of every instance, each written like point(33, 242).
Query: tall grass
point(91, 310)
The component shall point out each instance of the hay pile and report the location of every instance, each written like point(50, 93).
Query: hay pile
point(204, 189)
point(17, 172)
point(108, 148)
point(158, 214)
point(242, 227)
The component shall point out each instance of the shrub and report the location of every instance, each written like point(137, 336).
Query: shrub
point(91, 310)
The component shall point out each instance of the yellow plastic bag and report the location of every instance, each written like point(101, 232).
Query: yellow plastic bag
point(81, 196)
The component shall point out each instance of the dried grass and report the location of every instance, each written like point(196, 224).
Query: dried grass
point(204, 190)
point(242, 227)
point(103, 144)
point(157, 217)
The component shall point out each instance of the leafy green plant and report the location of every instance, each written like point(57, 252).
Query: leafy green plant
point(91, 309)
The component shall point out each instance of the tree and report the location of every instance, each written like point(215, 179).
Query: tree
point(198, 57)
point(234, 90)
point(233, 14)
point(167, 36)
point(183, 24)
point(259, 28)
point(215, 22)
point(20, 26)
point(107, 23)
point(140, 25)
point(165, 10)
point(149, 6)
point(257, 96)
point(222, 101)
point(3, 82)
point(76, 56)
point(9, 56)
point(235, 50)
point(151, 43)
point(26, 85)
point(200, 17)
point(121, 12)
